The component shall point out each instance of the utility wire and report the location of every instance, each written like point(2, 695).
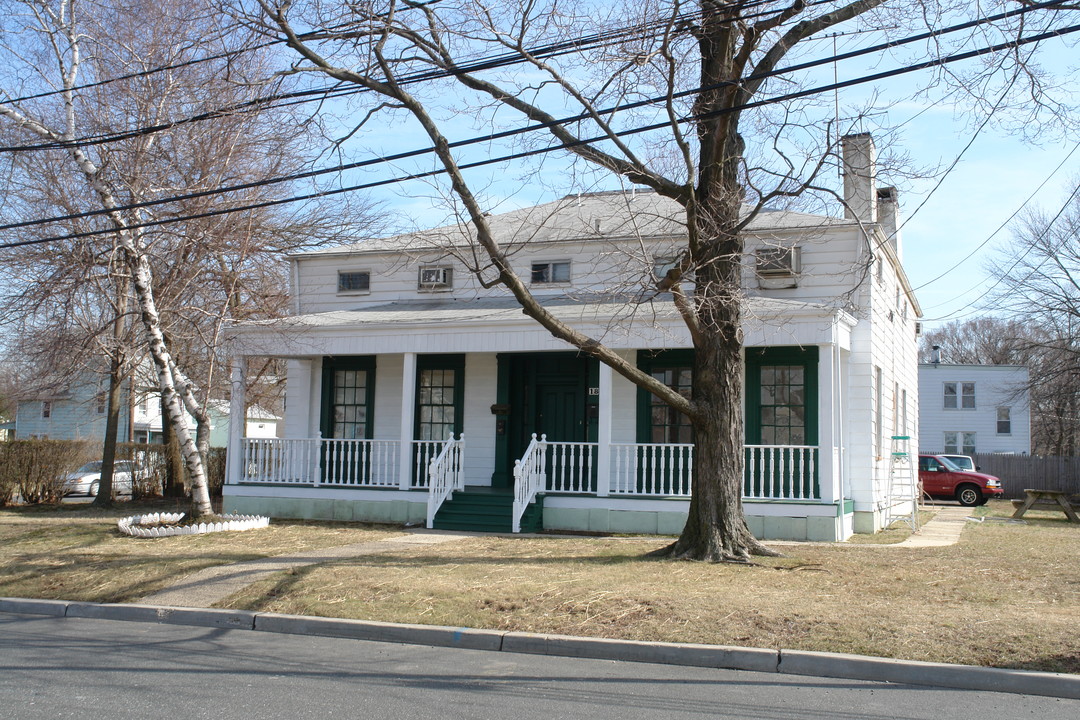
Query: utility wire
point(582, 116)
point(1072, 196)
point(521, 155)
point(505, 60)
point(1000, 227)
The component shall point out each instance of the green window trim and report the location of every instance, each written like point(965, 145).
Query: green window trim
point(332, 366)
point(431, 390)
point(671, 362)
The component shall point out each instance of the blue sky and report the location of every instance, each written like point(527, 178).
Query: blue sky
point(943, 225)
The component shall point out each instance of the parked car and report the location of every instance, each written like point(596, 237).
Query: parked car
point(941, 478)
point(964, 462)
point(87, 479)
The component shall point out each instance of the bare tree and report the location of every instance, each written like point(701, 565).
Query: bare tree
point(87, 142)
point(1038, 286)
point(661, 94)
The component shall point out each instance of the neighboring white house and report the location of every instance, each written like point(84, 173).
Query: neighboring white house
point(968, 409)
point(394, 347)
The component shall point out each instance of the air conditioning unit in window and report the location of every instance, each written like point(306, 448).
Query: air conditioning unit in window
point(435, 278)
point(778, 262)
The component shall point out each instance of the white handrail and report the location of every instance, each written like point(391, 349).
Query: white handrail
point(529, 477)
point(445, 476)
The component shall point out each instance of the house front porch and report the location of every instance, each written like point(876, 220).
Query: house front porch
point(638, 488)
point(373, 395)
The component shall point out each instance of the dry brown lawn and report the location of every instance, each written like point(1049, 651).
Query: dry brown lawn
point(1008, 595)
point(76, 552)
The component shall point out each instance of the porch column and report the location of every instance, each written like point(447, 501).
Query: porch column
point(408, 412)
point(237, 423)
point(828, 416)
point(603, 433)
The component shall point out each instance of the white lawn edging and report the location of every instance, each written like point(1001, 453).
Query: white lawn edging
point(161, 525)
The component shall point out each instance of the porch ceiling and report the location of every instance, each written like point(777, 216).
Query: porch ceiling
point(497, 324)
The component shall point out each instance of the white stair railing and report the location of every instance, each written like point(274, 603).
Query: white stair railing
point(529, 477)
point(445, 475)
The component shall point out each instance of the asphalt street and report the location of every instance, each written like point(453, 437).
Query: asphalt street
point(54, 667)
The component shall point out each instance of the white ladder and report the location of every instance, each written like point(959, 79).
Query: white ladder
point(902, 497)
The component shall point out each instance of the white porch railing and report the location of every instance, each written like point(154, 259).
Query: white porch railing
point(529, 478)
point(652, 469)
point(273, 460)
point(366, 463)
point(781, 472)
point(773, 472)
point(571, 467)
point(445, 475)
point(424, 451)
point(319, 461)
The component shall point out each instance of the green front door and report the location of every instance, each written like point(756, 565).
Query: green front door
point(541, 393)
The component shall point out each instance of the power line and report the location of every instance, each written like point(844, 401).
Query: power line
point(522, 155)
point(1000, 227)
point(577, 118)
point(188, 63)
point(1072, 196)
point(507, 59)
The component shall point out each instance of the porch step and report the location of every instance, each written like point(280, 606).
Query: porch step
point(486, 510)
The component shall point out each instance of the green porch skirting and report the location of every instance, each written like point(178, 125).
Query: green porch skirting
point(768, 520)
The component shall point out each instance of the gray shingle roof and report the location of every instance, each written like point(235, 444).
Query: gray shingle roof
point(579, 217)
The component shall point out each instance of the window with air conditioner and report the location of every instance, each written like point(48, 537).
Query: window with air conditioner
point(778, 267)
point(436, 278)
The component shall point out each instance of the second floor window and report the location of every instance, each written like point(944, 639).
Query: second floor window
point(550, 272)
point(1004, 421)
point(46, 409)
point(435, 278)
point(353, 281)
point(959, 396)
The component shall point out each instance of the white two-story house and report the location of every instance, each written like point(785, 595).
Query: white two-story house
point(971, 409)
point(417, 394)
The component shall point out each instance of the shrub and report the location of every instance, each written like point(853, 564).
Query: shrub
point(35, 469)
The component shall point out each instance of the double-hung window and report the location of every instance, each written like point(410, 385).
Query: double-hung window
point(959, 396)
point(959, 443)
point(1004, 421)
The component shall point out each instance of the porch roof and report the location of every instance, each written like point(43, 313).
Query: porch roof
point(497, 324)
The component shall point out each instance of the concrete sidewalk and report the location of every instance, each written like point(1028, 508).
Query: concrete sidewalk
point(941, 531)
point(206, 587)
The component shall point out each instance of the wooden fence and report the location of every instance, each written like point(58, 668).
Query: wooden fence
point(1018, 472)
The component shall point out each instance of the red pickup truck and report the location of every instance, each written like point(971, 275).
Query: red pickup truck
point(941, 478)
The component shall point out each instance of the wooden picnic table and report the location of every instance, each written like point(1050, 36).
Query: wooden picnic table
point(1060, 498)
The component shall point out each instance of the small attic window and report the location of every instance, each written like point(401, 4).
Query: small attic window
point(353, 281)
point(550, 273)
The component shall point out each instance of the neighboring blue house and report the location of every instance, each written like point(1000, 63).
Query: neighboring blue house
point(78, 412)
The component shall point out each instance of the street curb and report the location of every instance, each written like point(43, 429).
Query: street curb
point(794, 662)
point(914, 672)
point(434, 635)
point(201, 617)
point(708, 656)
